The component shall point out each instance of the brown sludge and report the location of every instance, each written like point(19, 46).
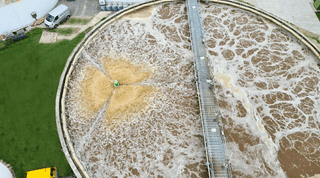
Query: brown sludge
point(126, 72)
point(165, 138)
point(267, 90)
point(97, 89)
point(128, 100)
point(125, 100)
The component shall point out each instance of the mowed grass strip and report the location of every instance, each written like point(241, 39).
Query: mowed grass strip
point(29, 78)
point(64, 31)
point(81, 21)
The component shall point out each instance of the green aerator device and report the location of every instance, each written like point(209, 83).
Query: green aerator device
point(116, 83)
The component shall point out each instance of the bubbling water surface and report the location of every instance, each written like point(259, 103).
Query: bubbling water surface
point(267, 85)
point(163, 140)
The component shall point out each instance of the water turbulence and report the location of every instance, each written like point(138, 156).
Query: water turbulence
point(148, 126)
point(267, 86)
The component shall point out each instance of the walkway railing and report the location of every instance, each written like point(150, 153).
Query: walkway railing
point(215, 148)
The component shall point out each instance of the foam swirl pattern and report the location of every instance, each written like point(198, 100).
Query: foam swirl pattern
point(164, 140)
point(267, 85)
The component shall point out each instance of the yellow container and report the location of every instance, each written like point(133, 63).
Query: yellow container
point(49, 172)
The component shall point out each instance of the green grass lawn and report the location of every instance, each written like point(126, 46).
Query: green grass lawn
point(318, 41)
point(29, 78)
point(318, 15)
point(78, 21)
point(64, 31)
point(2, 45)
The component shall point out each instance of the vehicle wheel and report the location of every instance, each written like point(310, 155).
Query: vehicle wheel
point(68, 17)
point(55, 26)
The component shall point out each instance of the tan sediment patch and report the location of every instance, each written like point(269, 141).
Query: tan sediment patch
point(112, 150)
point(127, 101)
point(97, 88)
point(227, 83)
point(125, 71)
point(260, 125)
point(144, 13)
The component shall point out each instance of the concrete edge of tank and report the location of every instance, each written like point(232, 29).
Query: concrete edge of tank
point(67, 147)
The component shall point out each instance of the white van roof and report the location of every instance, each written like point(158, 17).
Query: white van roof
point(56, 11)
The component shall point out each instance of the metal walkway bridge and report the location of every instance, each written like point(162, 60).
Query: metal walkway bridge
point(218, 166)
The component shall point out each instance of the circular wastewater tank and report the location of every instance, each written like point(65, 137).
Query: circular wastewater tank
point(266, 84)
point(4, 171)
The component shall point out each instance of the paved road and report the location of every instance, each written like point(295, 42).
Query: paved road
point(83, 8)
point(298, 12)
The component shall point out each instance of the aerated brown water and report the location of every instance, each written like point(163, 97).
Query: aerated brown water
point(267, 86)
point(266, 83)
point(149, 53)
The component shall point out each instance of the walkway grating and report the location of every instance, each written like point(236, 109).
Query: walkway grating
point(214, 141)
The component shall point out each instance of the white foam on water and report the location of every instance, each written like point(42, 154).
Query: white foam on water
point(166, 139)
point(267, 84)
